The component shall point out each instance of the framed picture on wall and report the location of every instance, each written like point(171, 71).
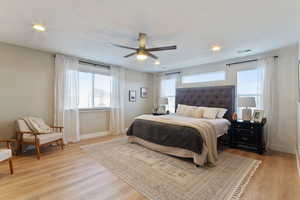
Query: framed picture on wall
point(144, 92)
point(132, 95)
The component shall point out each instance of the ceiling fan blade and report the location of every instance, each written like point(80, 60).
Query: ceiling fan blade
point(125, 47)
point(151, 55)
point(162, 48)
point(131, 54)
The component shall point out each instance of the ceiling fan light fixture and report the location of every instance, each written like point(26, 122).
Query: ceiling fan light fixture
point(39, 27)
point(216, 48)
point(141, 56)
point(157, 62)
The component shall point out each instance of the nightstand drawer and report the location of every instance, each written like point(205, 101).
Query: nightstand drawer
point(242, 131)
point(244, 138)
point(244, 126)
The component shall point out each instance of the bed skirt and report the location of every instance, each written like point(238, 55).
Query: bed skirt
point(198, 159)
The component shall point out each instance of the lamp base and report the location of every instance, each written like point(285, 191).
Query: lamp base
point(246, 114)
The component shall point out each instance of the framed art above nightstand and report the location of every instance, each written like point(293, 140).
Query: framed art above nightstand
point(248, 134)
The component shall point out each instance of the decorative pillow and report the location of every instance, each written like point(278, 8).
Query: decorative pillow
point(221, 113)
point(210, 113)
point(188, 111)
point(198, 112)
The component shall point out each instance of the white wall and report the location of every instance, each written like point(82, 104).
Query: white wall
point(26, 88)
point(93, 121)
point(287, 85)
point(134, 81)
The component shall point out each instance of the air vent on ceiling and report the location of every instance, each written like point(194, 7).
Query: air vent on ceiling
point(245, 51)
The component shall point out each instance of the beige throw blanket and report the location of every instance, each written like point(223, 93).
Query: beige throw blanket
point(37, 125)
point(205, 128)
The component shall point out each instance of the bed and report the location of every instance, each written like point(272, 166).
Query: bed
point(183, 136)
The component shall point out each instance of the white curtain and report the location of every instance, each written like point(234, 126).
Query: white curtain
point(116, 121)
point(269, 97)
point(156, 90)
point(67, 97)
point(168, 85)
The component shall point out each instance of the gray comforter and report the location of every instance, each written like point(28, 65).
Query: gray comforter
point(167, 134)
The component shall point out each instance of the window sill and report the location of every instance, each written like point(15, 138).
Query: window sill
point(82, 110)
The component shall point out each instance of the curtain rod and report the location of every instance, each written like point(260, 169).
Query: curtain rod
point(246, 61)
point(91, 63)
point(171, 73)
point(94, 64)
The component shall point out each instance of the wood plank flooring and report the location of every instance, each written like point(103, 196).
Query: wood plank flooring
point(70, 174)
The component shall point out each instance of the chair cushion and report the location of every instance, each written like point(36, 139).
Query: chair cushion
point(43, 138)
point(22, 126)
point(5, 154)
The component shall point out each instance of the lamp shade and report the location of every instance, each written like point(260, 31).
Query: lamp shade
point(164, 101)
point(246, 102)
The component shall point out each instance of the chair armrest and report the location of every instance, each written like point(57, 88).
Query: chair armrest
point(60, 128)
point(8, 142)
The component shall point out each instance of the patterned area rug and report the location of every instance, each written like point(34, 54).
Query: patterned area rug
point(162, 177)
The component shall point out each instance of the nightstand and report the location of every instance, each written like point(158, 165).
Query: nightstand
point(248, 134)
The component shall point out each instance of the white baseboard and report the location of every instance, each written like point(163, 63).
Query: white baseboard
point(282, 148)
point(93, 135)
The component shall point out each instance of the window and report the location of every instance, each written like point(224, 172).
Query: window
point(94, 90)
point(168, 90)
point(204, 77)
point(249, 84)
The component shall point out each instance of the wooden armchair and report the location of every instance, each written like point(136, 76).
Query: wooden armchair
point(26, 136)
point(6, 154)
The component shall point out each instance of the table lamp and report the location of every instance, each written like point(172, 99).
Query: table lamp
point(247, 103)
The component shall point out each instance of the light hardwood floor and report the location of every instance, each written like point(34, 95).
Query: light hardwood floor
point(70, 174)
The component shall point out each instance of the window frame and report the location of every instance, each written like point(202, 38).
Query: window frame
point(204, 82)
point(94, 108)
point(168, 77)
point(240, 68)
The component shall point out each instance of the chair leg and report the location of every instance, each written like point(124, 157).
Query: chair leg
point(11, 168)
point(62, 144)
point(20, 148)
point(37, 149)
point(20, 144)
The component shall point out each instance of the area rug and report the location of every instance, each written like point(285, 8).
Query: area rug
point(162, 177)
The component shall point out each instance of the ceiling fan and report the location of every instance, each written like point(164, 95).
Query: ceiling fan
point(142, 53)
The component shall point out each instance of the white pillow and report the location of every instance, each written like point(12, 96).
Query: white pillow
point(189, 111)
point(210, 113)
point(198, 112)
point(221, 113)
point(186, 110)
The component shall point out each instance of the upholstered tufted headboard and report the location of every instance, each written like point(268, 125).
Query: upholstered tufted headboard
point(219, 96)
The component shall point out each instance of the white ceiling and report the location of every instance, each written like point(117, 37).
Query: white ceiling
point(86, 28)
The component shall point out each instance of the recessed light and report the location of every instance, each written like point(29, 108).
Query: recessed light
point(216, 48)
point(157, 62)
point(39, 27)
